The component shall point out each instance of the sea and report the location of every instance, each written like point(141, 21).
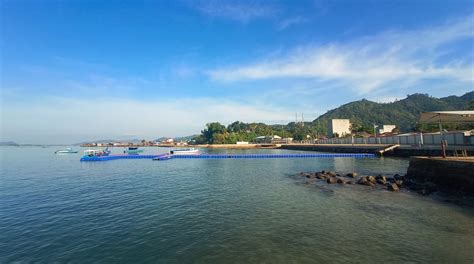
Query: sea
point(56, 209)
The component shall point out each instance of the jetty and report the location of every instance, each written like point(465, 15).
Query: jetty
point(231, 156)
point(450, 173)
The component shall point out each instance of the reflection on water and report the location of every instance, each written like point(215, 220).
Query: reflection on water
point(55, 208)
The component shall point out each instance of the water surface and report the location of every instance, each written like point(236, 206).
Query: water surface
point(55, 208)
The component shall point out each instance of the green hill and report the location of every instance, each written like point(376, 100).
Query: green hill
point(403, 113)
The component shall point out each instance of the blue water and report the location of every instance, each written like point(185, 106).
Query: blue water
point(54, 208)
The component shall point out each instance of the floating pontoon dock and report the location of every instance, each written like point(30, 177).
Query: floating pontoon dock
point(230, 156)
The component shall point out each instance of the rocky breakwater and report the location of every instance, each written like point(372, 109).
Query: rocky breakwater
point(453, 175)
point(393, 183)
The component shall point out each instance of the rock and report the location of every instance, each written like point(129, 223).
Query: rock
point(399, 183)
point(332, 173)
point(398, 177)
point(365, 181)
point(391, 180)
point(350, 182)
point(362, 180)
point(392, 187)
point(352, 174)
point(341, 181)
point(381, 181)
point(338, 175)
point(381, 177)
point(323, 172)
point(331, 180)
point(322, 176)
point(371, 179)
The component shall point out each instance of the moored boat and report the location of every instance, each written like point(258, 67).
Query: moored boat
point(96, 152)
point(186, 151)
point(132, 150)
point(65, 151)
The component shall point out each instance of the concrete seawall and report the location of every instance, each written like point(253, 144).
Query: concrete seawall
point(402, 151)
point(453, 174)
point(339, 148)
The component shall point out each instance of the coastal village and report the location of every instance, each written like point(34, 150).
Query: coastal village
point(339, 132)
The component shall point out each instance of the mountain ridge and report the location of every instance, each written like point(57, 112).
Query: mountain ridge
point(404, 113)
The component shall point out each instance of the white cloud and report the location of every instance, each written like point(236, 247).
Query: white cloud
point(370, 62)
point(242, 11)
point(65, 120)
point(285, 23)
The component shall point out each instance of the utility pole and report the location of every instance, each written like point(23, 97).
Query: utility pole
point(302, 119)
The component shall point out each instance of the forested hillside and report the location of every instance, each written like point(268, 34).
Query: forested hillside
point(363, 114)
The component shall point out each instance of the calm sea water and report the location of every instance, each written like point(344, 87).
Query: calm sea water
point(54, 208)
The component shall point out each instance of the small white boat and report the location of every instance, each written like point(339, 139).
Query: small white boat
point(185, 151)
point(96, 152)
point(65, 151)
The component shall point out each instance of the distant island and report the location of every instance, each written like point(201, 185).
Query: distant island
point(9, 143)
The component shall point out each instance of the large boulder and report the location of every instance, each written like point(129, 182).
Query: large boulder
point(362, 180)
point(381, 177)
point(381, 181)
point(331, 180)
point(365, 181)
point(371, 179)
point(399, 183)
point(352, 174)
point(398, 177)
point(341, 181)
point(322, 176)
point(392, 187)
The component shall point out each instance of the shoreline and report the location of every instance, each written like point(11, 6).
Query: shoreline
point(405, 151)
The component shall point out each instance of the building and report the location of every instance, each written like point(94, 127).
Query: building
point(385, 129)
point(339, 127)
point(267, 139)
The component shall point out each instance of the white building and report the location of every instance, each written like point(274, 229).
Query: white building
point(339, 127)
point(385, 129)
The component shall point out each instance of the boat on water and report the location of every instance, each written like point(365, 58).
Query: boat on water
point(164, 157)
point(185, 151)
point(132, 150)
point(65, 151)
point(96, 152)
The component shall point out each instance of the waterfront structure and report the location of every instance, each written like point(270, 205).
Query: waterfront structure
point(453, 138)
point(339, 127)
point(385, 129)
point(267, 139)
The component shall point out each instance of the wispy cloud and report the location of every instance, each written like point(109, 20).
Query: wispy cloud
point(370, 62)
point(242, 11)
point(285, 23)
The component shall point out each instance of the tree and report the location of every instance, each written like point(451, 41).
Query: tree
point(211, 130)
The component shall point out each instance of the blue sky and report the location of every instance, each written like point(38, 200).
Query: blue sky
point(82, 70)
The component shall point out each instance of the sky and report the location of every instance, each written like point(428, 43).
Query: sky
point(74, 71)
